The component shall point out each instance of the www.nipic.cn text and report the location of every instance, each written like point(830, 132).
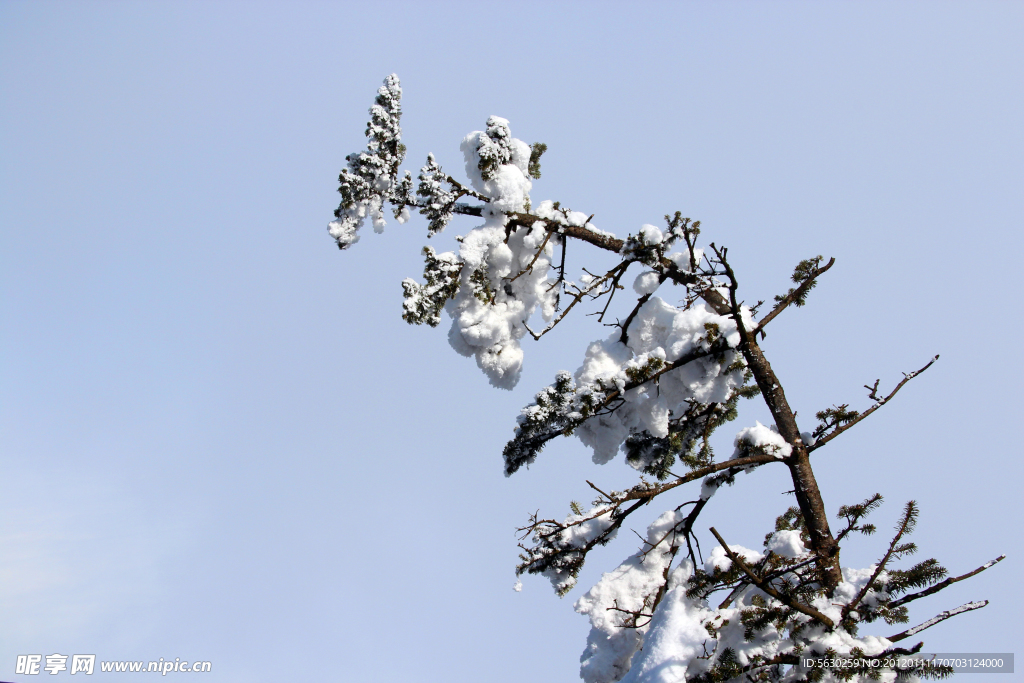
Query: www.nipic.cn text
point(86, 664)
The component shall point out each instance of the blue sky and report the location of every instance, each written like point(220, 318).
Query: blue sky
point(221, 442)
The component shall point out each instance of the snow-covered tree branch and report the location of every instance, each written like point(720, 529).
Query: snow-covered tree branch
point(668, 376)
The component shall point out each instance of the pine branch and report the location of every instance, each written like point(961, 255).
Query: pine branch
point(943, 584)
point(905, 527)
point(805, 486)
point(854, 513)
point(795, 295)
point(739, 463)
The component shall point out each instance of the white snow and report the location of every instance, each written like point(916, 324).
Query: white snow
point(509, 186)
point(719, 559)
point(664, 332)
point(676, 637)
point(610, 646)
point(763, 439)
point(787, 543)
point(646, 282)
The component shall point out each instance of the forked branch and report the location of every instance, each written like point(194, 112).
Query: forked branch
point(879, 402)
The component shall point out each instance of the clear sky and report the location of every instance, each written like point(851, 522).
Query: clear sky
point(218, 439)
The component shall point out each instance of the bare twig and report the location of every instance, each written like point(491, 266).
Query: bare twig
point(561, 277)
point(612, 289)
point(581, 293)
point(599, 490)
point(624, 337)
point(529, 268)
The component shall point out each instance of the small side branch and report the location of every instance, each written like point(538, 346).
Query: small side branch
point(764, 586)
point(648, 493)
point(937, 619)
point(879, 402)
point(461, 190)
point(624, 337)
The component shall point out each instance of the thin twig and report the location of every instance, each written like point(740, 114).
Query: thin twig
point(576, 299)
point(624, 337)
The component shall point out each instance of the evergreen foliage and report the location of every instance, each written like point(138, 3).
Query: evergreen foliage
point(371, 177)
point(423, 303)
point(495, 148)
point(803, 274)
point(438, 202)
point(536, 150)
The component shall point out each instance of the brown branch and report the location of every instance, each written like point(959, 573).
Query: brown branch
point(719, 346)
point(606, 242)
point(618, 515)
point(942, 584)
point(598, 490)
point(602, 241)
point(561, 277)
point(793, 296)
point(942, 616)
point(650, 493)
point(764, 586)
point(589, 545)
point(624, 337)
point(879, 402)
point(623, 267)
point(612, 244)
